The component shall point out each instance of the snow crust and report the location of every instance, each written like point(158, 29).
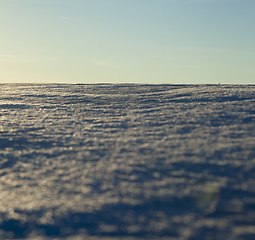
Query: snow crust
point(127, 161)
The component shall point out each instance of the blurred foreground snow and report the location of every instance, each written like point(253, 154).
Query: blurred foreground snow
point(127, 161)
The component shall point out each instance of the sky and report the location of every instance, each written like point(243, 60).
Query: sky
point(132, 41)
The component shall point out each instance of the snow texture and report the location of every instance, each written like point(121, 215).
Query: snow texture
point(127, 161)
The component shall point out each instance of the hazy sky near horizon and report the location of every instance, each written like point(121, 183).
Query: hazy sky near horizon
point(132, 41)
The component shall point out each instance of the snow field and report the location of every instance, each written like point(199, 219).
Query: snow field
point(127, 161)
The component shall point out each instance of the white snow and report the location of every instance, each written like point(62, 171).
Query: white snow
point(127, 161)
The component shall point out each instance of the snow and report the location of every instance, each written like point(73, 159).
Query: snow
point(127, 161)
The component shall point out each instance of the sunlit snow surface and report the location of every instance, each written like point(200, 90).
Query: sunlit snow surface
point(127, 161)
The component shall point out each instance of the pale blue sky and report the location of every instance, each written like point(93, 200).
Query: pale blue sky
point(139, 41)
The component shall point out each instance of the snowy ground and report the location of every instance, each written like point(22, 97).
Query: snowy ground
point(127, 162)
